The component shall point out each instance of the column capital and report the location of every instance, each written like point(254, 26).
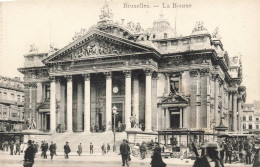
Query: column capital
point(108, 75)
point(155, 75)
point(148, 72)
point(220, 81)
point(52, 78)
point(68, 78)
point(86, 77)
point(215, 77)
point(194, 73)
point(127, 73)
point(204, 71)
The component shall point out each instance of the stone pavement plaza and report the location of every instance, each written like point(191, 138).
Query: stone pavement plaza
point(96, 160)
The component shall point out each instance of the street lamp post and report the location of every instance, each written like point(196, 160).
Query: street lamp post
point(114, 109)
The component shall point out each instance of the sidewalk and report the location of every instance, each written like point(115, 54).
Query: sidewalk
point(97, 157)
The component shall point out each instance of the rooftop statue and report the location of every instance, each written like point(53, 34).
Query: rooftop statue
point(215, 33)
point(199, 26)
point(33, 48)
point(106, 13)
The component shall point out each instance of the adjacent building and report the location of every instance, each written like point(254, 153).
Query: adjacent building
point(251, 117)
point(11, 104)
point(162, 79)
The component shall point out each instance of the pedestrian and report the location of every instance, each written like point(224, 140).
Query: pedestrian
point(143, 150)
point(79, 149)
point(247, 148)
point(55, 149)
point(256, 162)
point(222, 151)
point(124, 151)
point(157, 158)
point(29, 155)
point(108, 147)
point(17, 151)
point(91, 147)
point(211, 159)
point(229, 150)
point(67, 150)
point(11, 148)
point(46, 147)
point(52, 150)
point(103, 148)
point(42, 149)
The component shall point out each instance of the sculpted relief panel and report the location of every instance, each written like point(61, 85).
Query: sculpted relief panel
point(98, 47)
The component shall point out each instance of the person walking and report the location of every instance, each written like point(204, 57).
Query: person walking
point(11, 148)
point(108, 147)
point(229, 150)
point(67, 150)
point(91, 147)
point(211, 158)
point(52, 150)
point(45, 149)
point(79, 149)
point(143, 150)
point(29, 155)
point(55, 149)
point(103, 148)
point(124, 151)
point(17, 151)
point(247, 148)
point(157, 158)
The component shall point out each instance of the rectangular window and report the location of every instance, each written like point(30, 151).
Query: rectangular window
point(244, 118)
point(163, 44)
point(250, 126)
point(244, 126)
point(18, 98)
point(47, 92)
point(174, 43)
point(5, 112)
point(22, 98)
point(257, 119)
point(250, 118)
point(5, 95)
point(174, 85)
point(12, 97)
point(257, 126)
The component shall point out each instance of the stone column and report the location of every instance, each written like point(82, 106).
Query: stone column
point(235, 111)
point(69, 103)
point(127, 98)
point(181, 119)
point(230, 100)
point(240, 117)
point(42, 121)
point(87, 103)
point(167, 118)
point(39, 100)
point(79, 105)
point(108, 100)
point(216, 87)
point(53, 105)
point(208, 101)
point(148, 100)
point(198, 99)
point(136, 97)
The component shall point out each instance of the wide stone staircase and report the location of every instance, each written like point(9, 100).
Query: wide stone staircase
point(97, 139)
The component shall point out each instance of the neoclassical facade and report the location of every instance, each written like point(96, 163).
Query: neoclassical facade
point(163, 79)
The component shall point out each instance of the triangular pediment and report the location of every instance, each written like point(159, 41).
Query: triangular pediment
point(97, 43)
point(175, 99)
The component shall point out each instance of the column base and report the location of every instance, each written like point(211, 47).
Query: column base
point(69, 131)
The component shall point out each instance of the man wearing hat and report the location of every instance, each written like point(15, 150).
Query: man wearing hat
point(124, 151)
point(211, 159)
point(29, 155)
point(67, 150)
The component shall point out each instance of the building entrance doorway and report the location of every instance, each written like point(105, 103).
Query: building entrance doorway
point(175, 118)
point(47, 121)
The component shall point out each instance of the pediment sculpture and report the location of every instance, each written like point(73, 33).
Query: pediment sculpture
point(98, 47)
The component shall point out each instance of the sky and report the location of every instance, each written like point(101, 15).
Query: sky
point(24, 22)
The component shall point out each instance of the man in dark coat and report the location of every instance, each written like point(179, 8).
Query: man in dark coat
point(29, 155)
point(229, 150)
point(211, 159)
point(247, 148)
point(52, 150)
point(45, 149)
point(67, 150)
point(142, 150)
point(17, 151)
point(124, 151)
point(11, 148)
point(91, 147)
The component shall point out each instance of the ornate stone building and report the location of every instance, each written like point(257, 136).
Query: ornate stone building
point(163, 79)
point(11, 104)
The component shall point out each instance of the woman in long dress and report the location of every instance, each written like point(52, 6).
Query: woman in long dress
point(157, 159)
